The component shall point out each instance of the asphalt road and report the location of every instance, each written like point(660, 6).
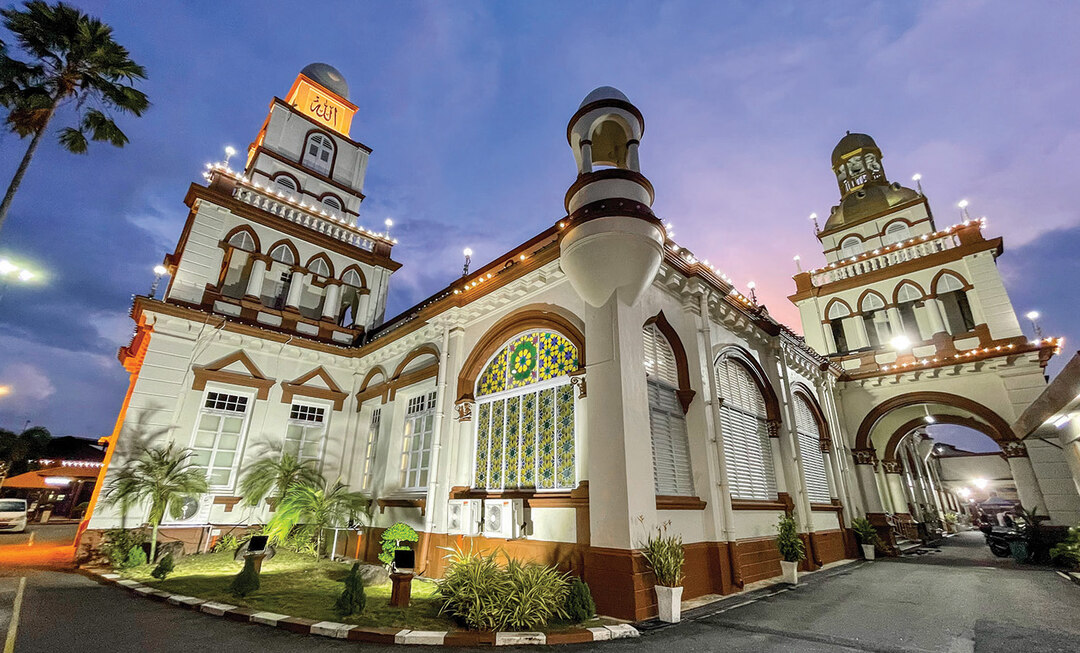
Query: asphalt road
point(956, 600)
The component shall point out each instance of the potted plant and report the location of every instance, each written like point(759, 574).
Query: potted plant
point(867, 534)
point(664, 555)
point(950, 521)
point(792, 549)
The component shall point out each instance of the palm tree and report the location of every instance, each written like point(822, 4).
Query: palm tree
point(164, 476)
point(277, 474)
point(315, 508)
point(72, 59)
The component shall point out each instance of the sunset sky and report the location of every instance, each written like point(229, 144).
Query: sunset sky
point(465, 105)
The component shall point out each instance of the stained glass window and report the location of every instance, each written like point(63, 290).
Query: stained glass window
point(525, 432)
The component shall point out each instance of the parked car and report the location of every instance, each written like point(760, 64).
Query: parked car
point(13, 515)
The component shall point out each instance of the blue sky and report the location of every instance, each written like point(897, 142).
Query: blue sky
point(466, 103)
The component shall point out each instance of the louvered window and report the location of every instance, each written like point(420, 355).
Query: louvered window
point(667, 423)
point(369, 449)
point(743, 420)
point(813, 460)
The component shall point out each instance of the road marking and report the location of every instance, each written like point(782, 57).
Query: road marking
point(30, 542)
point(16, 607)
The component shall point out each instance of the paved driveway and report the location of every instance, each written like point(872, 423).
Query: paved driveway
point(959, 599)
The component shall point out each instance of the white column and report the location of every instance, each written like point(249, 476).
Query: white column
point(895, 482)
point(864, 473)
point(332, 301)
point(896, 325)
point(256, 278)
point(720, 492)
point(934, 312)
point(861, 337)
point(362, 306)
point(586, 157)
point(788, 439)
point(1027, 485)
point(830, 342)
point(296, 286)
point(632, 161)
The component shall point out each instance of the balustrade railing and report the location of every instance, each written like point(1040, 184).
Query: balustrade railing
point(886, 257)
point(324, 225)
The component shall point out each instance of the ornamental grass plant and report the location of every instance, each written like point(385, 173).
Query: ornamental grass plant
point(865, 531)
point(788, 541)
point(481, 594)
point(665, 556)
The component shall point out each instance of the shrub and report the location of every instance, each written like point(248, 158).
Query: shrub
point(118, 543)
point(247, 581)
point(865, 531)
point(302, 541)
point(664, 554)
point(579, 602)
point(479, 593)
point(352, 599)
point(788, 541)
point(1067, 553)
point(164, 567)
point(227, 542)
point(136, 557)
point(391, 541)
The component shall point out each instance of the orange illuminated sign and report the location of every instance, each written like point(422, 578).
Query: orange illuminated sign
point(324, 107)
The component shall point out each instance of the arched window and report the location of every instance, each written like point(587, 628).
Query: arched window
point(525, 415)
point(286, 182)
point(837, 313)
point(906, 299)
point(237, 265)
point(278, 277)
point(319, 268)
point(813, 460)
point(667, 423)
point(850, 247)
point(609, 144)
point(896, 232)
point(875, 319)
point(319, 153)
point(284, 255)
point(954, 304)
point(331, 203)
point(744, 424)
point(350, 298)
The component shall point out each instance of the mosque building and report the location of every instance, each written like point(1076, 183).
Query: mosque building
point(590, 384)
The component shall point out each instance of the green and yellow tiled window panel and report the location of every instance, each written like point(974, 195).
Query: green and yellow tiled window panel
point(526, 359)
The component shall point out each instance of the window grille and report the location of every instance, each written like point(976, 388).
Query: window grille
point(285, 182)
point(331, 203)
point(743, 420)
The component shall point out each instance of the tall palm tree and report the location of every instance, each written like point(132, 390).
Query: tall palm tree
point(277, 474)
point(314, 508)
point(74, 60)
point(164, 476)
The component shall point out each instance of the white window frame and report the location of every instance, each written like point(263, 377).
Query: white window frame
point(412, 465)
point(323, 145)
point(367, 476)
point(241, 435)
point(326, 409)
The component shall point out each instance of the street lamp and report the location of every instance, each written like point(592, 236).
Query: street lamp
point(963, 204)
point(389, 223)
point(751, 285)
point(5, 390)
point(230, 152)
point(917, 178)
point(9, 270)
point(159, 271)
point(468, 259)
point(1033, 316)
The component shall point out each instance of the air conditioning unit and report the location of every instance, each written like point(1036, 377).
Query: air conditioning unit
point(192, 511)
point(463, 517)
point(503, 517)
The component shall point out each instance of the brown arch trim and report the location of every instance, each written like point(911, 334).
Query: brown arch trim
point(1002, 431)
point(250, 232)
point(360, 272)
point(906, 282)
point(807, 394)
point(909, 426)
point(422, 350)
point(947, 272)
point(772, 402)
point(299, 189)
point(832, 302)
point(335, 196)
point(502, 331)
point(685, 393)
point(333, 157)
point(884, 302)
point(325, 258)
point(286, 243)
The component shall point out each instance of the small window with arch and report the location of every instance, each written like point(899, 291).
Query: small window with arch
point(319, 153)
point(286, 183)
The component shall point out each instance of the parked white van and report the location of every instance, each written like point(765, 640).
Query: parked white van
point(13, 515)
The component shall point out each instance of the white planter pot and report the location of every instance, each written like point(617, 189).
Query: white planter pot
point(669, 602)
point(790, 572)
point(868, 551)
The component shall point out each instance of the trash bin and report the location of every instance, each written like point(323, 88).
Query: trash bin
point(1019, 550)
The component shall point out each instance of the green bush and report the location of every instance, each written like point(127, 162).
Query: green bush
point(227, 542)
point(479, 593)
point(392, 539)
point(247, 581)
point(136, 557)
point(788, 541)
point(352, 599)
point(1067, 552)
point(579, 602)
point(664, 554)
point(164, 567)
point(118, 542)
point(302, 541)
point(865, 531)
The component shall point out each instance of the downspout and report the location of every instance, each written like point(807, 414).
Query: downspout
point(436, 445)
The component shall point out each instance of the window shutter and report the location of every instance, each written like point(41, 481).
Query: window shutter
point(670, 445)
point(747, 448)
point(659, 357)
point(813, 461)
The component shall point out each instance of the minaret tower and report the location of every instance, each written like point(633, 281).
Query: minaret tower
point(612, 243)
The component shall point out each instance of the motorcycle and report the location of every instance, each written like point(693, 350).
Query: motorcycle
point(1000, 539)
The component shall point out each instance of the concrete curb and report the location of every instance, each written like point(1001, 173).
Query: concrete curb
point(337, 630)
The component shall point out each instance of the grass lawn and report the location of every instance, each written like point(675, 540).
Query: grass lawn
point(298, 586)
